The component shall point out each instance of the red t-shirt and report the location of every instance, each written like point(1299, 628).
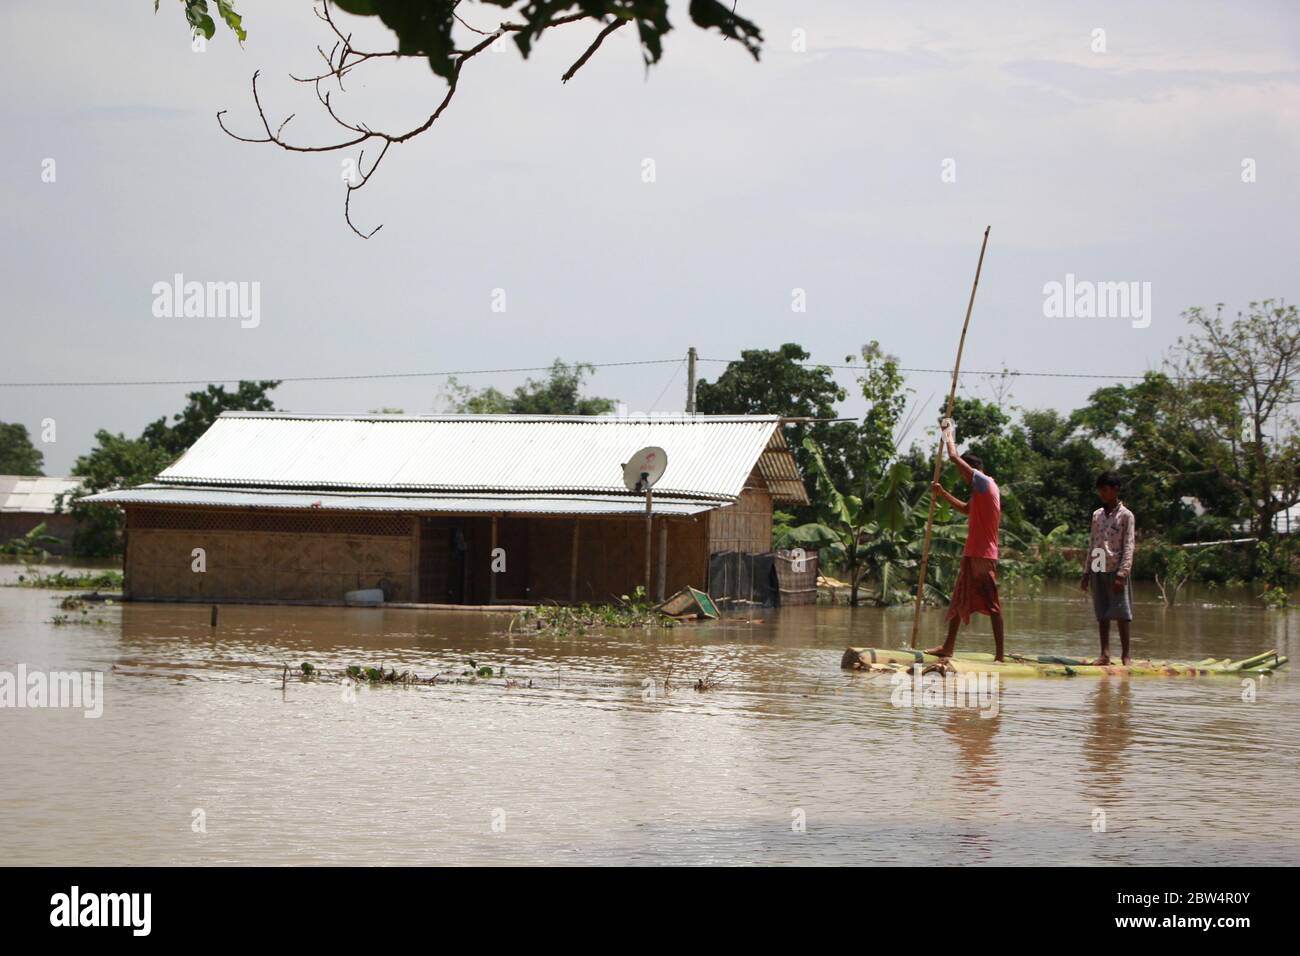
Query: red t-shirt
point(985, 516)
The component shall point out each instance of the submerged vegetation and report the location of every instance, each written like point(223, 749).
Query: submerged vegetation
point(63, 581)
point(631, 611)
point(472, 673)
point(80, 615)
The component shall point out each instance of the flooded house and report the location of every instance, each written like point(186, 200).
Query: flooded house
point(28, 501)
point(463, 510)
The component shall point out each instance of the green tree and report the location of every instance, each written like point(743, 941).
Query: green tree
point(115, 462)
point(1218, 423)
point(777, 382)
point(1240, 401)
point(120, 462)
point(203, 409)
point(886, 394)
point(1045, 464)
point(560, 393)
point(1058, 485)
point(18, 456)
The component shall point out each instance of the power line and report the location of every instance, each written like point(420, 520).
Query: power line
point(325, 378)
point(668, 384)
point(999, 373)
point(378, 376)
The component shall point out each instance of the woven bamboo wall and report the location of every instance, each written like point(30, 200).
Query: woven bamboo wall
point(611, 558)
point(318, 557)
point(745, 525)
point(250, 565)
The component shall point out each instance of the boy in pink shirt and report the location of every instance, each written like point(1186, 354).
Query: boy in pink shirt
point(976, 590)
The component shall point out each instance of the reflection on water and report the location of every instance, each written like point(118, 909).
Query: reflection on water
point(789, 760)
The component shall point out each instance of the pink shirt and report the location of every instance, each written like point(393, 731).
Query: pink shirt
point(984, 518)
point(1112, 537)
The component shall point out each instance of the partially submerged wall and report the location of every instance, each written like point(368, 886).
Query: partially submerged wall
point(315, 556)
point(287, 556)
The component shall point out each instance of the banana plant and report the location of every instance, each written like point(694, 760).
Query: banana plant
point(32, 544)
point(876, 538)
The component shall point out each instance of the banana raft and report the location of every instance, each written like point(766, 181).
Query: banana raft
point(1045, 665)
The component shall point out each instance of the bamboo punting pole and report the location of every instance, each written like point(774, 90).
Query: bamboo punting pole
point(938, 457)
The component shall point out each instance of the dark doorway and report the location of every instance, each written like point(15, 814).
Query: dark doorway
point(446, 546)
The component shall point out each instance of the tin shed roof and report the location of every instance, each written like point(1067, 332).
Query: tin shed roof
point(33, 494)
point(709, 457)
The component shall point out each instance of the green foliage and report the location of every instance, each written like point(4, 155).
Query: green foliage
point(18, 456)
point(1277, 560)
point(201, 22)
point(202, 409)
point(559, 394)
point(883, 387)
point(629, 611)
point(120, 462)
point(1276, 597)
point(424, 27)
point(877, 539)
point(1220, 424)
point(115, 462)
point(63, 581)
point(31, 545)
point(776, 382)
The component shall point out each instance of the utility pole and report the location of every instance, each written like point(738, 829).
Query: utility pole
point(690, 380)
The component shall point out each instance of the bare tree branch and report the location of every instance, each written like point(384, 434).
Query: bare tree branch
point(600, 38)
point(342, 59)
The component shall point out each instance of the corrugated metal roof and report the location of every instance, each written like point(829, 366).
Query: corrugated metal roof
point(33, 494)
point(709, 457)
point(781, 471)
point(434, 503)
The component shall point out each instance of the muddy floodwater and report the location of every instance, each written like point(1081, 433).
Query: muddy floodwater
point(200, 757)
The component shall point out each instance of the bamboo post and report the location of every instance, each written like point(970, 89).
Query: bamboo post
point(938, 457)
point(663, 559)
point(492, 559)
point(573, 565)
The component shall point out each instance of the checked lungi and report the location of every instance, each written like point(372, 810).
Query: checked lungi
point(976, 590)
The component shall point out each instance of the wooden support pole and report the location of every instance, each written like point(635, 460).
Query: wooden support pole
point(649, 538)
point(663, 559)
point(573, 564)
point(415, 560)
point(492, 560)
point(938, 457)
point(690, 380)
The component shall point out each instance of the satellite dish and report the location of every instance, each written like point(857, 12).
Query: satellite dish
point(646, 467)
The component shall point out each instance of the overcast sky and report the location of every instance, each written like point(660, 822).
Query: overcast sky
point(819, 170)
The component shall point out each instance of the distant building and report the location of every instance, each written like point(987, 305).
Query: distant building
point(1288, 521)
point(27, 501)
point(296, 508)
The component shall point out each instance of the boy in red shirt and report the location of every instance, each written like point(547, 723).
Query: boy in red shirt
point(976, 590)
